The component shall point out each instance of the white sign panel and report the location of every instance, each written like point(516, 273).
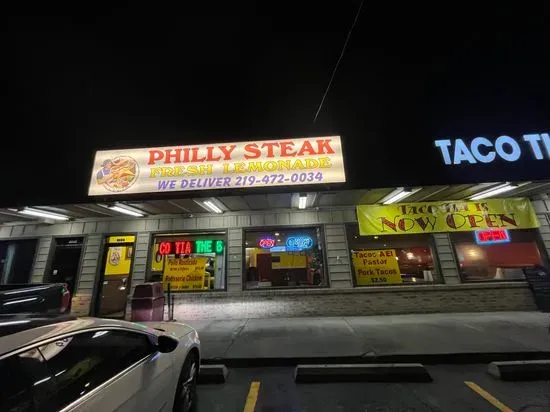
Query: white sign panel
point(285, 162)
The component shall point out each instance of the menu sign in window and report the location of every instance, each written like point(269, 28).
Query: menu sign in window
point(376, 267)
point(185, 274)
point(282, 162)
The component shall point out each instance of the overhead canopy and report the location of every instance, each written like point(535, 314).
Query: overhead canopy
point(257, 202)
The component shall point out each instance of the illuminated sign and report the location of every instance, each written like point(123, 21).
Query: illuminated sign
point(121, 239)
point(187, 247)
point(267, 243)
point(490, 236)
point(295, 243)
point(283, 162)
point(483, 150)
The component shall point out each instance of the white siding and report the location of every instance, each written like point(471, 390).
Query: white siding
point(443, 248)
point(336, 247)
point(41, 259)
point(235, 260)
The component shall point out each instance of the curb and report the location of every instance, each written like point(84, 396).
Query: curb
point(426, 359)
point(212, 374)
point(394, 372)
point(520, 371)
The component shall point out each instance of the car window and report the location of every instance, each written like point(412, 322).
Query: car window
point(15, 392)
point(84, 361)
point(33, 365)
point(26, 382)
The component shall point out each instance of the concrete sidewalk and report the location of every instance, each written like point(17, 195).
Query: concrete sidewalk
point(431, 338)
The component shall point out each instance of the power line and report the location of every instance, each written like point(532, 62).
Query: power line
point(338, 61)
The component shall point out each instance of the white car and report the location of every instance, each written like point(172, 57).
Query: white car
point(90, 364)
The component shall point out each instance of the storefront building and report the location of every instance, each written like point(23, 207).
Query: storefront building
point(301, 249)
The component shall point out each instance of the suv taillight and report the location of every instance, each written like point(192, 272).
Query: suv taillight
point(65, 299)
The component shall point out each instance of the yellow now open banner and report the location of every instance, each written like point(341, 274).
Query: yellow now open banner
point(448, 216)
point(184, 274)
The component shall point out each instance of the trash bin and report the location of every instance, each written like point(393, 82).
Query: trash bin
point(148, 302)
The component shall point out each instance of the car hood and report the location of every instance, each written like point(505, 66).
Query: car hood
point(172, 328)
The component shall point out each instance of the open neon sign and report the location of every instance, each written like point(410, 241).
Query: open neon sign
point(491, 236)
point(267, 243)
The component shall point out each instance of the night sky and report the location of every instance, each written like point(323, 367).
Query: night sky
point(213, 72)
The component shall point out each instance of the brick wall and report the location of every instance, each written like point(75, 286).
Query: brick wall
point(80, 304)
point(355, 302)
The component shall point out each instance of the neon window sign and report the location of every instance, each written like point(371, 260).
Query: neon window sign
point(492, 236)
point(267, 243)
point(186, 247)
point(296, 243)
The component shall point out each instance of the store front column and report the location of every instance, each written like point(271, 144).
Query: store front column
point(82, 299)
point(140, 259)
point(339, 268)
point(542, 208)
point(41, 259)
point(447, 261)
point(235, 260)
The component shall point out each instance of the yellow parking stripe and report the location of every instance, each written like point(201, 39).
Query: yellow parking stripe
point(252, 397)
point(488, 397)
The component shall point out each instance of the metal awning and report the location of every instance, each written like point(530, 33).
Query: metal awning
point(284, 200)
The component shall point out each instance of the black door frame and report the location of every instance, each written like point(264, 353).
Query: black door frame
point(51, 257)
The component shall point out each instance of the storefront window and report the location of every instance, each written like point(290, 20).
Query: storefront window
point(189, 261)
point(16, 259)
point(284, 258)
point(392, 259)
point(483, 258)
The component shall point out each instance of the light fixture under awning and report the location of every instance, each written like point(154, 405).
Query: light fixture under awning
point(399, 194)
point(505, 187)
point(124, 209)
point(211, 205)
point(30, 211)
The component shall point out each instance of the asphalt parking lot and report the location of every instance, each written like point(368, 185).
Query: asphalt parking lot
point(454, 388)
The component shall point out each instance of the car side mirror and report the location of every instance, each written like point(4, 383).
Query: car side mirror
point(166, 344)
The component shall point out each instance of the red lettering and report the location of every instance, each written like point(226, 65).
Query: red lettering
point(452, 220)
point(323, 147)
point(489, 218)
point(195, 155)
point(306, 146)
point(388, 223)
point(210, 155)
point(155, 155)
point(187, 248)
point(186, 155)
point(176, 155)
point(508, 219)
point(286, 149)
point(474, 220)
point(424, 223)
point(252, 148)
point(403, 224)
point(164, 248)
point(227, 150)
point(270, 148)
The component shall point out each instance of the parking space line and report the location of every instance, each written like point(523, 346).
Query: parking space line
point(488, 397)
point(252, 397)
